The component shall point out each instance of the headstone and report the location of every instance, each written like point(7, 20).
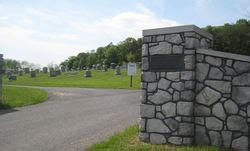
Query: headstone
point(33, 74)
point(52, 74)
point(9, 73)
point(104, 68)
point(45, 69)
point(12, 77)
point(98, 67)
point(112, 65)
point(20, 73)
point(51, 69)
point(63, 69)
point(87, 73)
point(58, 72)
point(117, 70)
point(93, 67)
point(26, 70)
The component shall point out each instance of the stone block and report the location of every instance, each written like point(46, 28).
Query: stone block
point(201, 71)
point(145, 64)
point(208, 96)
point(152, 87)
point(199, 120)
point(148, 77)
point(229, 71)
point(242, 80)
point(189, 61)
point(161, 97)
point(161, 49)
point(226, 138)
point(157, 138)
point(199, 57)
point(169, 109)
point(176, 96)
point(185, 108)
point(214, 61)
point(147, 110)
point(142, 124)
point(179, 86)
point(187, 75)
point(189, 52)
point(240, 143)
point(144, 137)
point(159, 115)
point(173, 76)
point(186, 129)
point(147, 39)
point(201, 137)
point(215, 138)
point(241, 67)
point(218, 111)
point(237, 123)
point(213, 123)
point(231, 107)
point(160, 38)
point(163, 84)
point(229, 63)
point(189, 84)
point(215, 73)
point(241, 95)
point(192, 43)
point(157, 126)
point(175, 140)
point(177, 49)
point(187, 95)
point(201, 110)
point(187, 140)
point(174, 38)
point(171, 123)
point(221, 86)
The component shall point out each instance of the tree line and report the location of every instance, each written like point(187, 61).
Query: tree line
point(234, 38)
point(128, 50)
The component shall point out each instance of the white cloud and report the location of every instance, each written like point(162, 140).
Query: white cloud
point(43, 47)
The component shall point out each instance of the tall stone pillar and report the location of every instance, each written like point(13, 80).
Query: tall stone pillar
point(1, 76)
point(168, 83)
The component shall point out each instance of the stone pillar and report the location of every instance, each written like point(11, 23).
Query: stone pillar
point(168, 83)
point(1, 76)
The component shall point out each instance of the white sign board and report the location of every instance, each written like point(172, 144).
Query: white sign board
point(131, 69)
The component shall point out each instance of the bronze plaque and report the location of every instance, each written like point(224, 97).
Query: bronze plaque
point(165, 63)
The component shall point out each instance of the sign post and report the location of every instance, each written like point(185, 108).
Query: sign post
point(131, 71)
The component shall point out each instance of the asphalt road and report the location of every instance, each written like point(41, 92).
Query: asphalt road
point(71, 119)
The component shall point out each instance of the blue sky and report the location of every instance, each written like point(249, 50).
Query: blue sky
point(49, 31)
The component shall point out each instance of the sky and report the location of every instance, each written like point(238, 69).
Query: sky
point(49, 31)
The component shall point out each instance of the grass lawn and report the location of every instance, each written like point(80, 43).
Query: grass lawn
point(18, 96)
point(128, 140)
point(98, 80)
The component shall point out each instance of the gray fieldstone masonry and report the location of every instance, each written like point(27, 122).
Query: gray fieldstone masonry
point(1, 76)
point(202, 99)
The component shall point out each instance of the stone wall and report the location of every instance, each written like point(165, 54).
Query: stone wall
point(195, 104)
point(223, 99)
point(1, 76)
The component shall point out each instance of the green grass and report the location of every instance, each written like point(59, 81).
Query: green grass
point(98, 80)
point(128, 140)
point(20, 96)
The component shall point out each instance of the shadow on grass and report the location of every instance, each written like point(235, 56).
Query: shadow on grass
point(5, 108)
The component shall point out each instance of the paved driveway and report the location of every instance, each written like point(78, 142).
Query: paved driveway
point(71, 119)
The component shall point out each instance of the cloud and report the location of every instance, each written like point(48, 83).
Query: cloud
point(49, 37)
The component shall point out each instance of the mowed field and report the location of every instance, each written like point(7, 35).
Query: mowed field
point(99, 79)
point(20, 96)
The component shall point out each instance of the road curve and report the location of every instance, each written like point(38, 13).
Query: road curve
point(71, 119)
